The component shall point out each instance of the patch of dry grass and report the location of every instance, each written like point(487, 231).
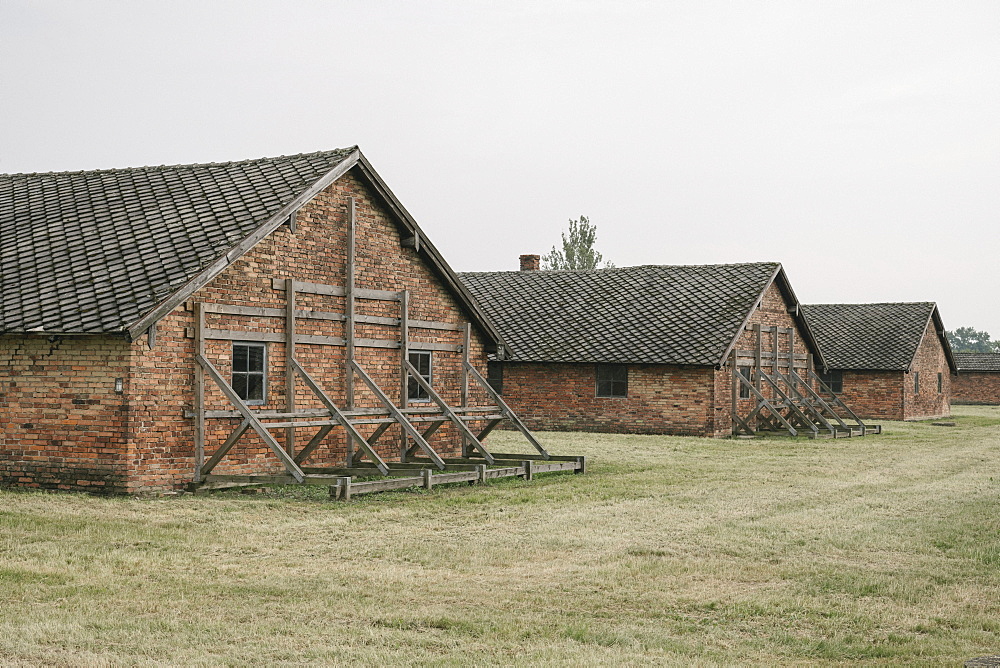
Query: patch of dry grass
point(671, 550)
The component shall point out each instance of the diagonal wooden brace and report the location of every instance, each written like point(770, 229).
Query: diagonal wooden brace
point(791, 405)
point(446, 409)
point(398, 416)
point(505, 409)
point(764, 403)
point(226, 447)
point(340, 417)
point(248, 415)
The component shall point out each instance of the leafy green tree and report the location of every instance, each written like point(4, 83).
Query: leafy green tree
point(577, 248)
point(968, 340)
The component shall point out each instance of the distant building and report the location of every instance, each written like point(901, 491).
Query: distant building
point(651, 349)
point(889, 361)
point(978, 379)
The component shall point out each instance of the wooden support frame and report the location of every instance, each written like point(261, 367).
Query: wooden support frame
point(355, 436)
point(199, 393)
point(397, 415)
point(289, 463)
point(451, 415)
point(505, 409)
point(764, 403)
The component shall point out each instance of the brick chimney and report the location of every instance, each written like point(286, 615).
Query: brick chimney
point(531, 262)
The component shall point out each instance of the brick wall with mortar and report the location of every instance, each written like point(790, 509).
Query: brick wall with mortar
point(875, 395)
point(159, 382)
point(662, 399)
point(971, 387)
point(930, 362)
point(62, 425)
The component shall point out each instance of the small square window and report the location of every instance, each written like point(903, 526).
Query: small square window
point(612, 380)
point(421, 361)
point(494, 376)
point(249, 372)
point(834, 381)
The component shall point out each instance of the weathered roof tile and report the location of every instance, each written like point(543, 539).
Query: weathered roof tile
point(142, 231)
point(638, 315)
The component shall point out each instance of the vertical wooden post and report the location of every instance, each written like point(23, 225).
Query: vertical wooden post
point(759, 357)
point(404, 376)
point(736, 385)
point(775, 369)
point(791, 355)
point(199, 392)
point(289, 356)
point(349, 295)
point(427, 478)
point(466, 357)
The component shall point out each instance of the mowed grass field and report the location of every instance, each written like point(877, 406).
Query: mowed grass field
point(685, 551)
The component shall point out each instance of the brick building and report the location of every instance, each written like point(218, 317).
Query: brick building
point(151, 318)
point(651, 349)
point(978, 379)
point(890, 361)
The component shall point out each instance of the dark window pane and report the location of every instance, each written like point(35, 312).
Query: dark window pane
point(494, 376)
point(255, 387)
point(421, 361)
point(240, 358)
point(612, 380)
point(745, 371)
point(240, 385)
point(256, 358)
point(833, 380)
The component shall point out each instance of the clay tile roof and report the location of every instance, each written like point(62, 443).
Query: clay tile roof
point(89, 252)
point(880, 337)
point(978, 362)
point(639, 315)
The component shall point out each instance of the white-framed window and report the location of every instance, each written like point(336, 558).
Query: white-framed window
point(250, 371)
point(421, 361)
point(612, 380)
point(916, 382)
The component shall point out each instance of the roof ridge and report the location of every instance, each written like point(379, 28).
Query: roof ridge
point(155, 168)
point(875, 304)
point(637, 266)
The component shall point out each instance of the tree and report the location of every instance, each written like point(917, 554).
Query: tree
point(968, 340)
point(577, 248)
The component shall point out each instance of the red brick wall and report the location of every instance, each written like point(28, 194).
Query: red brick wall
point(159, 387)
point(661, 399)
point(975, 388)
point(62, 426)
point(874, 394)
point(929, 361)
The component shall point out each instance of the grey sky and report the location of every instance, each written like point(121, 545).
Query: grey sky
point(857, 143)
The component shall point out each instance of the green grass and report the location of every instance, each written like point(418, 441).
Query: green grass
point(685, 551)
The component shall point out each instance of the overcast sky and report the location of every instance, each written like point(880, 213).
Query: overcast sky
point(857, 143)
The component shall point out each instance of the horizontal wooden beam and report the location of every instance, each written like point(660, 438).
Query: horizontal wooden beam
point(337, 290)
point(315, 339)
point(357, 412)
point(308, 314)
